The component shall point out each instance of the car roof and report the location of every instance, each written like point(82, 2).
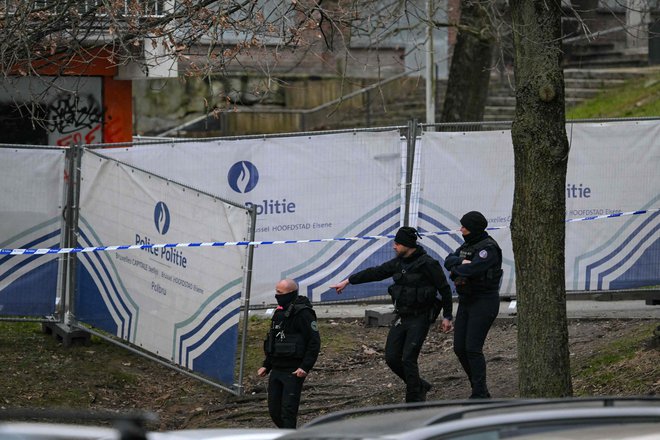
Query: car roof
point(74, 424)
point(449, 418)
point(533, 423)
point(220, 434)
point(627, 431)
point(54, 431)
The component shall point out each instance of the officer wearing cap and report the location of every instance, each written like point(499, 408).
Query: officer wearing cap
point(476, 269)
point(419, 293)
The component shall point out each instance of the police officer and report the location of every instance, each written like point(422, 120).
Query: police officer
point(420, 291)
point(291, 347)
point(476, 269)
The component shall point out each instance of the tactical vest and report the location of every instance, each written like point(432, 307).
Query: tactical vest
point(412, 293)
point(488, 282)
point(281, 340)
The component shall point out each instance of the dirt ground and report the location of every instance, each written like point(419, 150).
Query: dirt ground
point(350, 372)
point(363, 378)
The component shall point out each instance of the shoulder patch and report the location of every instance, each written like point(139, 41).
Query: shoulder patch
point(483, 253)
point(314, 326)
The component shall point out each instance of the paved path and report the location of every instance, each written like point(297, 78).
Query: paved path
point(584, 309)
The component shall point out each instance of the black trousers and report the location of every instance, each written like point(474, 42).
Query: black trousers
point(284, 389)
point(404, 343)
point(474, 318)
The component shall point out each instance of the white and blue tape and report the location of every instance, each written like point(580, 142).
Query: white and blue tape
point(254, 243)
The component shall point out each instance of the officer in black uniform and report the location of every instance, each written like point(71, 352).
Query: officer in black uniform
point(420, 291)
point(291, 347)
point(476, 269)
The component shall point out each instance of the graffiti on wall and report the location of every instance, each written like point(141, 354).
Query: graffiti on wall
point(59, 116)
point(79, 120)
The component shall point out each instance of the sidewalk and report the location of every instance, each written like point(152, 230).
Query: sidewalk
point(576, 309)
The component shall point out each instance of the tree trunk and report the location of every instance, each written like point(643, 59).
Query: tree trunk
point(469, 73)
point(539, 204)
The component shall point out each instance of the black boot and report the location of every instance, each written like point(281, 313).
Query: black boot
point(426, 387)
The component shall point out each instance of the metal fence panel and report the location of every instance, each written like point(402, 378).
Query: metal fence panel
point(32, 203)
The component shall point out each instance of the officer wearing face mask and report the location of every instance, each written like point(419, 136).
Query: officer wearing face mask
point(476, 269)
point(291, 347)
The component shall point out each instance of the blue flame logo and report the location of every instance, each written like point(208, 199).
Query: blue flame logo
point(162, 217)
point(243, 176)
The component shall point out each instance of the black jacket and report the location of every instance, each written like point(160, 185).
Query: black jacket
point(484, 272)
point(298, 323)
point(430, 270)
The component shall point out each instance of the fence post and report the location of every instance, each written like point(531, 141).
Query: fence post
point(368, 107)
point(65, 241)
point(247, 288)
point(73, 211)
point(410, 162)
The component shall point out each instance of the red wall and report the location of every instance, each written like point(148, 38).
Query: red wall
point(118, 110)
point(117, 95)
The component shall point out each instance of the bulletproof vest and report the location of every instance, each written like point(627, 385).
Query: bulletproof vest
point(282, 340)
point(412, 292)
point(491, 279)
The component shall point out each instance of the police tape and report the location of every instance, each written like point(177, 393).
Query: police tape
point(47, 251)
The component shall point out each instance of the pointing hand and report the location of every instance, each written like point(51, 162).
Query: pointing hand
point(339, 287)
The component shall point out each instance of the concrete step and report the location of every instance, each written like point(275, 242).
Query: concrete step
point(504, 112)
point(497, 88)
point(571, 92)
point(582, 87)
point(608, 62)
point(590, 49)
point(571, 101)
point(501, 101)
point(595, 58)
point(572, 96)
point(499, 111)
point(497, 117)
point(592, 83)
point(616, 73)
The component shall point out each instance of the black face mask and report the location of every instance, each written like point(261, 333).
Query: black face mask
point(286, 298)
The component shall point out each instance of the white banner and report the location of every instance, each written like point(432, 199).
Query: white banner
point(612, 168)
point(181, 304)
point(31, 206)
point(304, 187)
point(463, 172)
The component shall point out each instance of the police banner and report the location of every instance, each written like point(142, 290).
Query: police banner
point(180, 304)
point(303, 187)
point(461, 172)
point(612, 168)
point(31, 204)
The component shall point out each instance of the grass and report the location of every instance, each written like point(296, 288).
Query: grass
point(38, 360)
point(333, 341)
point(635, 98)
point(37, 373)
point(257, 329)
point(623, 366)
